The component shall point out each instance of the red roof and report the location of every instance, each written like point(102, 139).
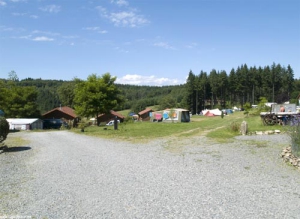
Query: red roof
point(65, 109)
point(145, 111)
point(115, 114)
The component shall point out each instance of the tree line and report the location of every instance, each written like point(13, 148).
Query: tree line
point(33, 97)
point(242, 85)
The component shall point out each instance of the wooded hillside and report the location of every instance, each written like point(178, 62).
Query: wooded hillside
point(216, 89)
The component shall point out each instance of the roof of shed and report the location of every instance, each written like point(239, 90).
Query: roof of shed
point(145, 111)
point(114, 113)
point(65, 109)
point(19, 121)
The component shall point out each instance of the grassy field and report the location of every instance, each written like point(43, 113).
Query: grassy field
point(213, 127)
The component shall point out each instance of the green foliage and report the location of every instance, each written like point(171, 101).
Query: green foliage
point(96, 95)
point(234, 126)
point(294, 132)
point(167, 102)
point(4, 129)
point(243, 84)
point(66, 93)
point(18, 101)
point(247, 107)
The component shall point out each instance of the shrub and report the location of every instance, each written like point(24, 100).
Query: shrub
point(294, 132)
point(234, 126)
point(4, 129)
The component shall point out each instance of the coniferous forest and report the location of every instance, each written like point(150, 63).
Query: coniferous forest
point(215, 89)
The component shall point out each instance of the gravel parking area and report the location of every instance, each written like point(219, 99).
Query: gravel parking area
point(65, 175)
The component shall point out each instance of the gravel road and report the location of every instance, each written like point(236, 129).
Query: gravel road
point(65, 175)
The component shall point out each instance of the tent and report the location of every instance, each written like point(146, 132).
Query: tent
point(229, 111)
point(178, 115)
point(213, 112)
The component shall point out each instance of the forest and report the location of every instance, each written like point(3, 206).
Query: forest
point(217, 89)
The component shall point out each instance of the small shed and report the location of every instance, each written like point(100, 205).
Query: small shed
point(145, 114)
point(64, 112)
point(25, 124)
point(106, 117)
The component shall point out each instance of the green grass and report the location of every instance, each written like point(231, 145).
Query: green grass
point(15, 141)
point(212, 127)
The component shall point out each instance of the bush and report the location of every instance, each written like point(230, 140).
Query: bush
point(4, 129)
point(294, 132)
point(234, 127)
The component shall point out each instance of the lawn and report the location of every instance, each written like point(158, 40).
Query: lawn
point(213, 127)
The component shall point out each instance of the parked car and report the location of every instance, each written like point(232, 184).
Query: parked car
point(54, 124)
point(111, 122)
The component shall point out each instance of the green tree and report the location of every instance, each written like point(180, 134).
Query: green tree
point(12, 76)
point(96, 95)
point(66, 93)
point(191, 97)
point(168, 102)
point(4, 129)
point(19, 102)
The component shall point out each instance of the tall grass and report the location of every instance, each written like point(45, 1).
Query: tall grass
point(294, 132)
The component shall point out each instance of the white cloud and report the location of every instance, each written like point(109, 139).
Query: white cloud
point(124, 18)
point(103, 31)
point(191, 46)
point(11, 29)
point(24, 14)
point(18, 14)
point(97, 29)
point(147, 80)
point(34, 16)
point(45, 33)
point(92, 28)
point(2, 3)
point(18, 0)
point(127, 18)
point(164, 45)
point(70, 37)
point(26, 37)
point(120, 2)
point(51, 8)
point(42, 38)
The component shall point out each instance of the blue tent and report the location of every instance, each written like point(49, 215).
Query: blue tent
point(229, 111)
point(132, 114)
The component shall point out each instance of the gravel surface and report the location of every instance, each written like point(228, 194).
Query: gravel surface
point(67, 175)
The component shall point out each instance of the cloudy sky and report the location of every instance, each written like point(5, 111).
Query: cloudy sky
point(152, 42)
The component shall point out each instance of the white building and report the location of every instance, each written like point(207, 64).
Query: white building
point(25, 124)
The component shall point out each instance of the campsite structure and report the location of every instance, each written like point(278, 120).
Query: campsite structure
point(144, 115)
point(279, 114)
point(106, 117)
point(25, 124)
point(171, 115)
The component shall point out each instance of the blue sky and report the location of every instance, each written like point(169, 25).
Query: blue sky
point(149, 42)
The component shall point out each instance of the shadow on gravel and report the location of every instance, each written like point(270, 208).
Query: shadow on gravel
point(15, 149)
